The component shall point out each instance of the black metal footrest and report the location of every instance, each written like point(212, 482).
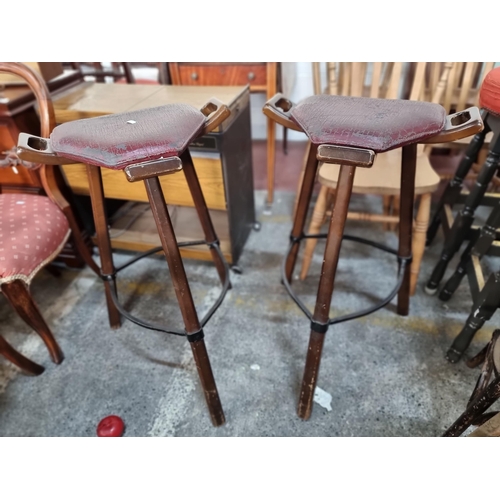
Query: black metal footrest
point(159, 328)
point(322, 328)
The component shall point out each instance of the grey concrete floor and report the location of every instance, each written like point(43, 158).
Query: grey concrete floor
point(386, 374)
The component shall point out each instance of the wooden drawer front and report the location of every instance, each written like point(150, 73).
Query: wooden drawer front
point(223, 74)
point(174, 186)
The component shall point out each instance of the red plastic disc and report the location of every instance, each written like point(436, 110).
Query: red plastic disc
point(111, 426)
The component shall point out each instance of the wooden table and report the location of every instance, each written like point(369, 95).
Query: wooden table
point(261, 76)
point(222, 159)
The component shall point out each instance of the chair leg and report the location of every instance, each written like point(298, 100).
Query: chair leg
point(317, 220)
point(325, 290)
point(184, 298)
point(408, 167)
point(203, 213)
point(19, 297)
point(463, 221)
point(419, 232)
point(386, 210)
point(103, 241)
point(301, 179)
point(18, 359)
point(82, 248)
point(285, 140)
point(478, 246)
point(454, 187)
point(393, 226)
point(477, 407)
point(487, 302)
point(302, 208)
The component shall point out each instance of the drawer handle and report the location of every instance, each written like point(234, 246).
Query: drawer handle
point(251, 76)
point(194, 76)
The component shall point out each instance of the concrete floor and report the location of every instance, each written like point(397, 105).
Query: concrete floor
point(386, 375)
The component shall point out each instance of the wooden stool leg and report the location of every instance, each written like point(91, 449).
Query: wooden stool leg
point(419, 232)
point(325, 289)
point(184, 298)
point(317, 220)
point(49, 179)
point(18, 359)
point(19, 297)
point(103, 241)
point(408, 167)
point(202, 210)
point(302, 208)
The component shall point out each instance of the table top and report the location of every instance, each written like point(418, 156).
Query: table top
point(90, 99)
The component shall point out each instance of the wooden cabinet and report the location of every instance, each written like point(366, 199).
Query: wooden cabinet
point(222, 159)
point(253, 74)
point(260, 76)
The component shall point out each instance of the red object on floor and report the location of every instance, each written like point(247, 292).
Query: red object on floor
point(111, 426)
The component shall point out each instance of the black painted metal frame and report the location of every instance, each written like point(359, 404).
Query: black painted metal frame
point(152, 326)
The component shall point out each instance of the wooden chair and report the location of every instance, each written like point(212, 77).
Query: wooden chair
point(121, 72)
point(383, 178)
point(458, 229)
point(33, 230)
point(485, 393)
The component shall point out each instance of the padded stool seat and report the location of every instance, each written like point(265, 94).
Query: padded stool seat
point(116, 141)
point(33, 231)
point(362, 122)
point(489, 95)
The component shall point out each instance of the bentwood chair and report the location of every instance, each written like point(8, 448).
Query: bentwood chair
point(33, 230)
point(146, 144)
point(351, 131)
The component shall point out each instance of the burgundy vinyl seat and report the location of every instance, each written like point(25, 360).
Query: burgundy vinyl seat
point(116, 141)
point(33, 231)
point(489, 95)
point(363, 122)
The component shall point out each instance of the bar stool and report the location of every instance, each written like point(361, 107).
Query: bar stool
point(146, 144)
point(350, 131)
point(489, 101)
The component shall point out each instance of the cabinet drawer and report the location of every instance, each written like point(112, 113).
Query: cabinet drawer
point(223, 74)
